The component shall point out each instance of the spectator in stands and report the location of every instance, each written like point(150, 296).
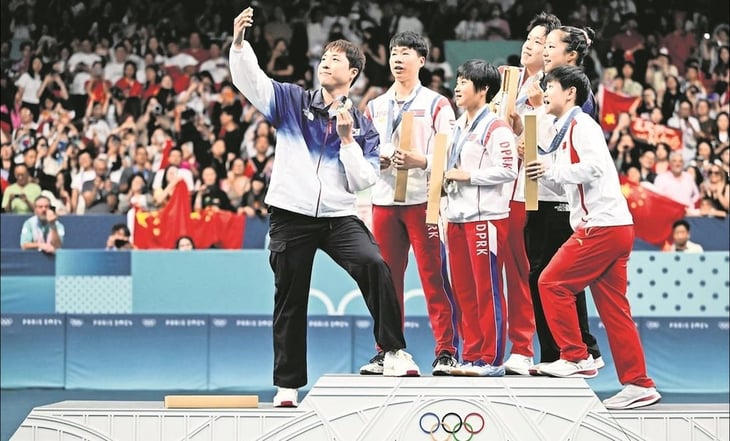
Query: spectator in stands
point(137, 194)
point(661, 163)
point(630, 87)
point(238, 181)
point(100, 195)
point(689, 126)
point(629, 40)
point(185, 243)
point(263, 161)
point(647, 104)
point(681, 41)
point(680, 239)
point(175, 159)
point(196, 48)
point(62, 193)
point(671, 97)
point(677, 183)
point(721, 132)
point(216, 64)
point(409, 20)
point(43, 231)
point(717, 189)
point(437, 60)
point(252, 203)
point(84, 174)
point(279, 66)
point(119, 239)
point(647, 161)
point(210, 195)
point(658, 70)
point(18, 197)
point(702, 112)
point(497, 28)
point(472, 27)
point(6, 158)
point(29, 86)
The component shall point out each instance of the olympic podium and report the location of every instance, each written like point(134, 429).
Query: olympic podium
point(352, 407)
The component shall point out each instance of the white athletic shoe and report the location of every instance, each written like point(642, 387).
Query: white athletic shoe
point(518, 364)
point(286, 397)
point(477, 369)
point(632, 397)
point(443, 364)
point(569, 369)
point(535, 369)
point(374, 366)
point(599, 363)
point(399, 363)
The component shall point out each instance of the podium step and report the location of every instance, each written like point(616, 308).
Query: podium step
point(356, 408)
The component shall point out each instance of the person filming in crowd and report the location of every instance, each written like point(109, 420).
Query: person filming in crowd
point(43, 231)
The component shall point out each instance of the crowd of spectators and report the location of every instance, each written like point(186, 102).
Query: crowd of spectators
point(106, 106)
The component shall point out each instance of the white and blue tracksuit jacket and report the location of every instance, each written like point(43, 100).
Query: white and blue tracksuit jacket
point(313, 173)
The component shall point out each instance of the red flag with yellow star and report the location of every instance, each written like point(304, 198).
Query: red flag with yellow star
point(614, 104)
point(161, 229)
point(653, 213)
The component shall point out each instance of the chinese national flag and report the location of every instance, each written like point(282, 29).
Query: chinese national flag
point(217, 228)
point(653, 213)
point(161, 229)
point(613, 105)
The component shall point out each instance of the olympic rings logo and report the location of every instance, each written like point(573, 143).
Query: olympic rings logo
point(452, 424)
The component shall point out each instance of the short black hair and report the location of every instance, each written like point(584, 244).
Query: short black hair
point(482, 74)
point(546, 20)
point(682, 223)
point(411, 40)
point(121, 227)
point(571, 76)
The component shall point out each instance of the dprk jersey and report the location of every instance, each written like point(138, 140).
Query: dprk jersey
point(485, 147)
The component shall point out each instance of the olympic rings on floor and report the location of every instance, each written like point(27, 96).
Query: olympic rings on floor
point(452, 424)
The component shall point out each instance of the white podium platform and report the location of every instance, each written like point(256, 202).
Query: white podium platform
point(355, 408)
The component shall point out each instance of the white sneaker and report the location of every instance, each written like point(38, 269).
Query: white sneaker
point(399, 364)
point(632, 397)
point(535, 369)
point(477, 369)
point(374, 366)
point(443, 364)
point(599, 363)
point(286, 397)
point(568, 369)
point(518, 364)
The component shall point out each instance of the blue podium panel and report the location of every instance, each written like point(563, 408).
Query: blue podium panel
point(241, 352)
point(32, 350)
point(419, 341)
point(607, 379)
point(203, 282)
point(329, 343)
point(28, 294)
point(141, 352)
point(687, 353)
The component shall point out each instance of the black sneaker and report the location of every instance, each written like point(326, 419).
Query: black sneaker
point(375, 366)
point(443, 364)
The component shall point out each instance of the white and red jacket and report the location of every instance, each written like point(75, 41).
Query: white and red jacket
point(432, 114)
point(490, 155)
point(584, 170)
